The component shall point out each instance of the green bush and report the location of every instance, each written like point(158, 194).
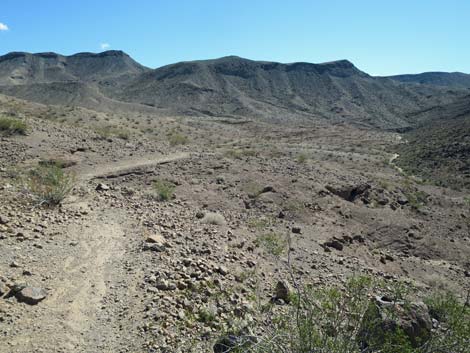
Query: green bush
point(273, 243)
point(49, 185)
point(302, 158)
point(176, 138)
point(164, 189)
point(106, 132)
point(9, 127)
point(339, 319)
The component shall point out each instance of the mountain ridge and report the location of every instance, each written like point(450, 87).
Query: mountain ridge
point(229, 86)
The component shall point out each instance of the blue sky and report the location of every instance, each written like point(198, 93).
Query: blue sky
point(380, 37)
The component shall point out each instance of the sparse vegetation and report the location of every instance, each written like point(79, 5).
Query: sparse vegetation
point(259, 223)
point(48, 185)
point(302, 158)
point(207, 315)
point(108, 131)
point(345, 320)
point(240, 153)
point(176, 138)
point(273, 243)
point(58, 162)
point(164, 189)
point(213, 218)
point(10, 126)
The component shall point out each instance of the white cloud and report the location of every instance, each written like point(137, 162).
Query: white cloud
point(105, 46)
point(3, 27)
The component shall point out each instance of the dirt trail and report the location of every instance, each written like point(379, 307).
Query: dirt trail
point(127, 166)
point(83, 312)
point(95, 278)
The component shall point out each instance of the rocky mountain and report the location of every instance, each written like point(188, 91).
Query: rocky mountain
point(229, 87)
point(234, 86)
point(444, 79)
point(20, 68)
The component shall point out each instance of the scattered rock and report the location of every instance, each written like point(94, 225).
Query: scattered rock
point(283, 291)
point(296, 230)
point(267, 188)
point(334, 243)
point(157, 247)
point(402, 200)
point(4, 220)
point(155, 238)
point(31, 295)
point(230, 342)
point(102, 187)
point(222, 270)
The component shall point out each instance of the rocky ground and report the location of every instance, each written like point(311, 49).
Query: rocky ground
point(115, 269)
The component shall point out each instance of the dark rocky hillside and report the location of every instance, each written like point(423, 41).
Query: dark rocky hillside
point(229, 87)
point(439, 148)
point(445, 79)
point(233, 86)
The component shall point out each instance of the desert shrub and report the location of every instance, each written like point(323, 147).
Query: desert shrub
point(10, 126)
point(48, 185)
point(302, 158)
point(175, 138)
point(108, 131)
point(467, 201)
point(259, 223)
point(454, 318)
point(207, 314)
point(60, 162)
point(273, 243)
point(240, 153)
point(338, 319)
point(164, 189)
point(213, 218)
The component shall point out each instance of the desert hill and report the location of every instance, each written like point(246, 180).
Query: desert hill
point(229, 87)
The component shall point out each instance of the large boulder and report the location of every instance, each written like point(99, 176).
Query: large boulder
point(31, 295)
point(388, 317)
point(283, 292)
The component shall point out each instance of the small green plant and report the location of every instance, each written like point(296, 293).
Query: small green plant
point(240, 153)
point(344, 319)
point(302, 158)
point(259, 223)
point(176, 138)
point(108, 131)
point(454, 317)
point(253, 189)
point(207, 315)
point(10, 126)
point(164, 189)
point(466, 200)
point(58, 162)
point(416, 199)
point(273, 243)
point(49, 185)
